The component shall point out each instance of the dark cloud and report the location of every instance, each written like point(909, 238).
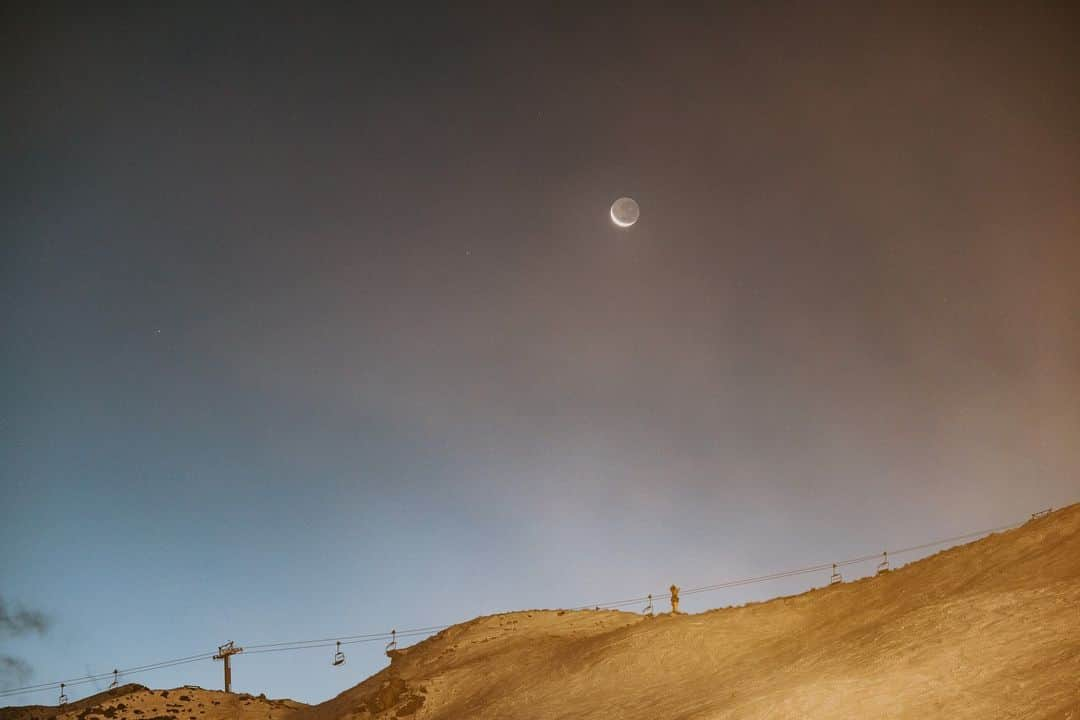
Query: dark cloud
point(20, 621)
point(16, 621)
point(14, 671)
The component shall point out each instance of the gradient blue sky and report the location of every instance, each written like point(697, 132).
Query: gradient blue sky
point(315, 323)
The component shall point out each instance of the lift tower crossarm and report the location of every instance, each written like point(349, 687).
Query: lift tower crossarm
point(225, 652)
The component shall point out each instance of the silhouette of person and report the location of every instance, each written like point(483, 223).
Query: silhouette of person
point(674, 600)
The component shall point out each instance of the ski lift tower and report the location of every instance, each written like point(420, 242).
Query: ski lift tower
point(224, 652)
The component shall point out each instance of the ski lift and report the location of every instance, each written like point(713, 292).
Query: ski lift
point(648, 609)
point(115, 680)
point(883, 566)
point(835, 577)
point(63, 697)
point(392, 645)
point(339, 657)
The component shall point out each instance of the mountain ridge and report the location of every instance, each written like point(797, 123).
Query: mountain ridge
point(986, 629)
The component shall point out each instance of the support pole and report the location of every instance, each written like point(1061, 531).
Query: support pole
point(225, 652)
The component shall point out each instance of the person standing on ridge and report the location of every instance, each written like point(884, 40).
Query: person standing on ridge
point(674, 599)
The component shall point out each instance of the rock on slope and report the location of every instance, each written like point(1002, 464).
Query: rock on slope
point(985, 630)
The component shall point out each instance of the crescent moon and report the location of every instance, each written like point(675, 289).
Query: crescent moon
point(616, 220)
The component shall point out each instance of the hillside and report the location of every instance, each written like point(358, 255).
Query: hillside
point(140, 703)
point(986, 630)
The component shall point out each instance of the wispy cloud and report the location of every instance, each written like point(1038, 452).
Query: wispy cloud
point(14, 671)
point(20, 621)
point(15, 622)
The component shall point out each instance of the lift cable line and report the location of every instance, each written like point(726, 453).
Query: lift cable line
point(249, 650)
point(393, 635)
point(83, 679)
point(327, 644)
point(352, 638)
point(822, 567)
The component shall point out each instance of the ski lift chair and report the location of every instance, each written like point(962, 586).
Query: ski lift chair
point(835, 577)
point(392, 645)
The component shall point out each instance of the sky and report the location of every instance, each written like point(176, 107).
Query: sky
point(315, 322)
